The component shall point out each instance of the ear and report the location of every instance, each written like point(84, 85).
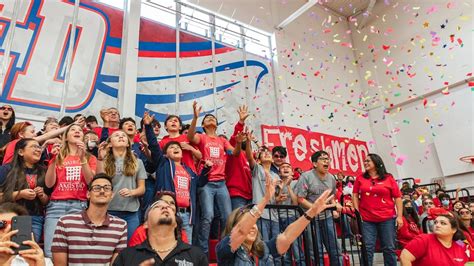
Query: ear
point(21, 152)
point(145, 225)
point(88, 195)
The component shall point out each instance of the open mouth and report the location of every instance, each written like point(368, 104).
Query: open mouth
point(326, 166)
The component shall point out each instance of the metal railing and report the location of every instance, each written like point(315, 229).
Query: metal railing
point(320, 243)
point(463, 194)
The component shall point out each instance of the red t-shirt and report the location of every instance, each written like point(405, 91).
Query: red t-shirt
point(407, 232)
point(214, 149)
point(70, 181)
point(182, 186)
point(10, 151)
point(377, 198)
point(429, 251)
point(98, 131)
point(237, 171)
point(187, 155)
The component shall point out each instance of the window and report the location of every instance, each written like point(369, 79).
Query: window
point(163, 11)
point(195, 21)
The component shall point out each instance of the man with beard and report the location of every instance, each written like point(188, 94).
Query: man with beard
point(309, 187)
point(163, 246)
point(91, 237)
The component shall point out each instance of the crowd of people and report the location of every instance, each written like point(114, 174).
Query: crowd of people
point(120, 194)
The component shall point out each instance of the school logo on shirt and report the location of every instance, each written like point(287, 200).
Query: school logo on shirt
point(73, 173)
point(183, 262)
point(182, 182)
point(214, 152)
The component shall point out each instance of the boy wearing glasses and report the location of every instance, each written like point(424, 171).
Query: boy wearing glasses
point(92, 236)
point(279, 154)
point(310, 186)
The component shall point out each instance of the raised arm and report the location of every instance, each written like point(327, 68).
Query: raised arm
point(192, 137)
point(295, 229)
point(240, 231)
point(50, 177)
point(56, 132)
point(248, 152)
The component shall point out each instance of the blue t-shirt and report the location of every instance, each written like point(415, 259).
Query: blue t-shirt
point(240, 257)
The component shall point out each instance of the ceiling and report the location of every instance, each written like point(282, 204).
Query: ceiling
point(346, 8)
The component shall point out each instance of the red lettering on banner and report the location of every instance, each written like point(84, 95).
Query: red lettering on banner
point(347, 154)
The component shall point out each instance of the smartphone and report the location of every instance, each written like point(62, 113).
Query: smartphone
point(23, 225)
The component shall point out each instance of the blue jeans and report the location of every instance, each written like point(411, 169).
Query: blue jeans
point(386, 232)
point(326, 235)
point(213, 193)
point(188, 228)
point(54, 210)
point(296, 247)
point(238, 202)
point(37, 223)
point(268, 228)
point(131, 218)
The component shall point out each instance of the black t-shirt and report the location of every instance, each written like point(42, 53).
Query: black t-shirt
point(180, 255)
point(34, 207)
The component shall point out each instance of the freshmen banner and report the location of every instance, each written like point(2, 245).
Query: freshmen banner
point(347, 154)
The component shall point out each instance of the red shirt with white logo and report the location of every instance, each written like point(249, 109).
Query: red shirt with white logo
point(377, 198)
point(187, 155)
point(182, 186)
point(427, 250)
point(214, 149)
point(70, 181)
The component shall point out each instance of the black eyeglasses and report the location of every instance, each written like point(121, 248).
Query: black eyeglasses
point(98, 188)
point(464, 212)
point(3, 108)
point(428, 203)
point(279, 156)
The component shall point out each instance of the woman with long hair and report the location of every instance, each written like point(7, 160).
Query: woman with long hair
point(7, 120)
point(22, 181)
point(26, 129)
point(466, 224)
point(440, 248)
point(117, 160)
point(411, 224)
point(375, 196)
point(68, 175)
point(242, 243)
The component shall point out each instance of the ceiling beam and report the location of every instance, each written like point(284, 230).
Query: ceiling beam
point(369, 9)
point(296, 14)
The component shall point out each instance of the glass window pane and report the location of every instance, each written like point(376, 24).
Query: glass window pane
point(163, 12)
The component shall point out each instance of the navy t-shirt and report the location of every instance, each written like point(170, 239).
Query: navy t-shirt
point(240, 257)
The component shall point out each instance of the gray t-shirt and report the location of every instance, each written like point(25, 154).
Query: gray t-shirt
point(119, 203)
point(258, 189)
point(291, 212)
point(310, 186)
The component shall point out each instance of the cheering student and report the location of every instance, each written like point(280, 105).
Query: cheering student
point(215, 149)
point(242, 244)
point(22, 181)
point(175, 176)
point(128, 177)
point(68, 175)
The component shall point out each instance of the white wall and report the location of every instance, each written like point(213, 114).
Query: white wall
point(431, 136)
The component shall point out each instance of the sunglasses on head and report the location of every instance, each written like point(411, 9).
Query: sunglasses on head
point(6, 108)
point(4, 224)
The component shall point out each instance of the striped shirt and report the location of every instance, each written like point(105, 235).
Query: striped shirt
point(86, 243)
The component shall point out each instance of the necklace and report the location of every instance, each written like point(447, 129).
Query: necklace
point(165, 250)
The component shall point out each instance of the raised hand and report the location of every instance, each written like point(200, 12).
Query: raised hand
point(103, 150)
point(269, 187)
point(55, 149)
point(240, 137)
point(81, 149)
point(243, 112)
point(186, 146)
point(197, 110)
point(81, 121)
point(147, 118)
point(326, 200)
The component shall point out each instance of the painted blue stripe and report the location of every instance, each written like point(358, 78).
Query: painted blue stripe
point(167, 46)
